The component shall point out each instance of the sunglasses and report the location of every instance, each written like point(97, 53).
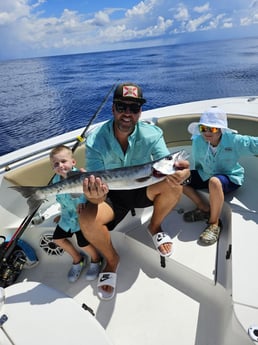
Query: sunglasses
point(133, 107)
point(203, 128)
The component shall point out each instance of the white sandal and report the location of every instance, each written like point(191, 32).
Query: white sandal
point(107, 279)
point(159, 239)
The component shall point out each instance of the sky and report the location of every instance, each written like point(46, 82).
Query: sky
point(35, 28)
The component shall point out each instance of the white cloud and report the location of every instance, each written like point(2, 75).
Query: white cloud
point(250, 15)
point(101, 18)
point(228, 25)
point(159, 28)
point(33, 31)
point(5, 18)
point(122, 32)
point(197, 23)
point(182, 13)
point(142, 8)
point(203, 8)
point(13, 10)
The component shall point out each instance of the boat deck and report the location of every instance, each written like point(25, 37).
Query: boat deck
point(189, 301)
point(244, 250)
point(185, 300)
point(203, 295)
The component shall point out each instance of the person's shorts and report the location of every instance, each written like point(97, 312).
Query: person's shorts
point(122, 201)
point(198, 183)
point(59, 233)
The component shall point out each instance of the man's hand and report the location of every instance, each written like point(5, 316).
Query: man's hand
point(94, 189)
point(181, 174)
point(182, 164)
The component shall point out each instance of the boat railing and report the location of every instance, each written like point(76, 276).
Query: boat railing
point(21, 156)
point(174, 130)
point(34, 154)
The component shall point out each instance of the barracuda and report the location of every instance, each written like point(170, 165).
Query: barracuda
point(132, 177)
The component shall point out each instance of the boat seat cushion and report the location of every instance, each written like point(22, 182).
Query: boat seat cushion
point(175, 128)
point(39, 173)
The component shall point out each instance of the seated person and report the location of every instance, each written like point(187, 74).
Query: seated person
point(124, 141)
point(216, 150)
point(63, 162)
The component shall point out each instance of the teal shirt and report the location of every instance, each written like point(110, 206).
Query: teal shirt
point(103, 151)
point(69, 216)
point(225, 161)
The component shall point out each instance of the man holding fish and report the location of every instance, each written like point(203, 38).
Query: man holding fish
point(121, 142)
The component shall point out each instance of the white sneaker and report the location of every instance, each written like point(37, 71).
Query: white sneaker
point(76, 271)
point(93, 271)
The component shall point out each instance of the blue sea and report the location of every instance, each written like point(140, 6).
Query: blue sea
point(43, 97)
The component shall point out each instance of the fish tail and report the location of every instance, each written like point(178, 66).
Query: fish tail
point(28, 192)
point(25, 191)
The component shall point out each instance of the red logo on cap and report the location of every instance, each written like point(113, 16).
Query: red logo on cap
point(130, 91)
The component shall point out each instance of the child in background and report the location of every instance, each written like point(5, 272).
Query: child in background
point(63, 163)
point(216, 150)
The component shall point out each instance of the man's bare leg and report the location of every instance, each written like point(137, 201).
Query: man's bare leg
point(92, 219)
point(165, 198)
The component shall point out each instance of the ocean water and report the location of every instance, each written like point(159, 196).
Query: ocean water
point(43, 97)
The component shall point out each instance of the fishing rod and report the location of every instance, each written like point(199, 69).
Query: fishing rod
point(8, 247)
point(80, 138)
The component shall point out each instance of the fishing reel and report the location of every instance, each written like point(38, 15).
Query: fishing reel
point(14, 257)
point(11, 267)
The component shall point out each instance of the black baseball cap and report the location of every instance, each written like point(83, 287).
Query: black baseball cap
point(128, 92)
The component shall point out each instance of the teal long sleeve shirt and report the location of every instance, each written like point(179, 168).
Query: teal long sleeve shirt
point(103, 151)
point(69, 216)
point(225, 160)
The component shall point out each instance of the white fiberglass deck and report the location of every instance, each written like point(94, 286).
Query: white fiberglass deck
point(180, 302)
point(203, 295)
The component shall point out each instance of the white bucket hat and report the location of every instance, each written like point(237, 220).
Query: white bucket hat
point(213, 117)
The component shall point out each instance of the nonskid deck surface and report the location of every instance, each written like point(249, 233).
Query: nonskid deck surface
point(188, 301)
point(152, 304)
point(244, 246)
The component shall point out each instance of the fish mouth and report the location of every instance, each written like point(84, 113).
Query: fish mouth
point(157, 173)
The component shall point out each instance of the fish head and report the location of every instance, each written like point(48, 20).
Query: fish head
point(166, 165)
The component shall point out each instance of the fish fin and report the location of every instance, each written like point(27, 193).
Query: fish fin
point(28, 192)
point(183, 155)
point(25, 191)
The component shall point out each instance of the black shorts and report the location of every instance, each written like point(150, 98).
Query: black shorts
point(198, 183)
point(59, 233)
point(122, 201)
